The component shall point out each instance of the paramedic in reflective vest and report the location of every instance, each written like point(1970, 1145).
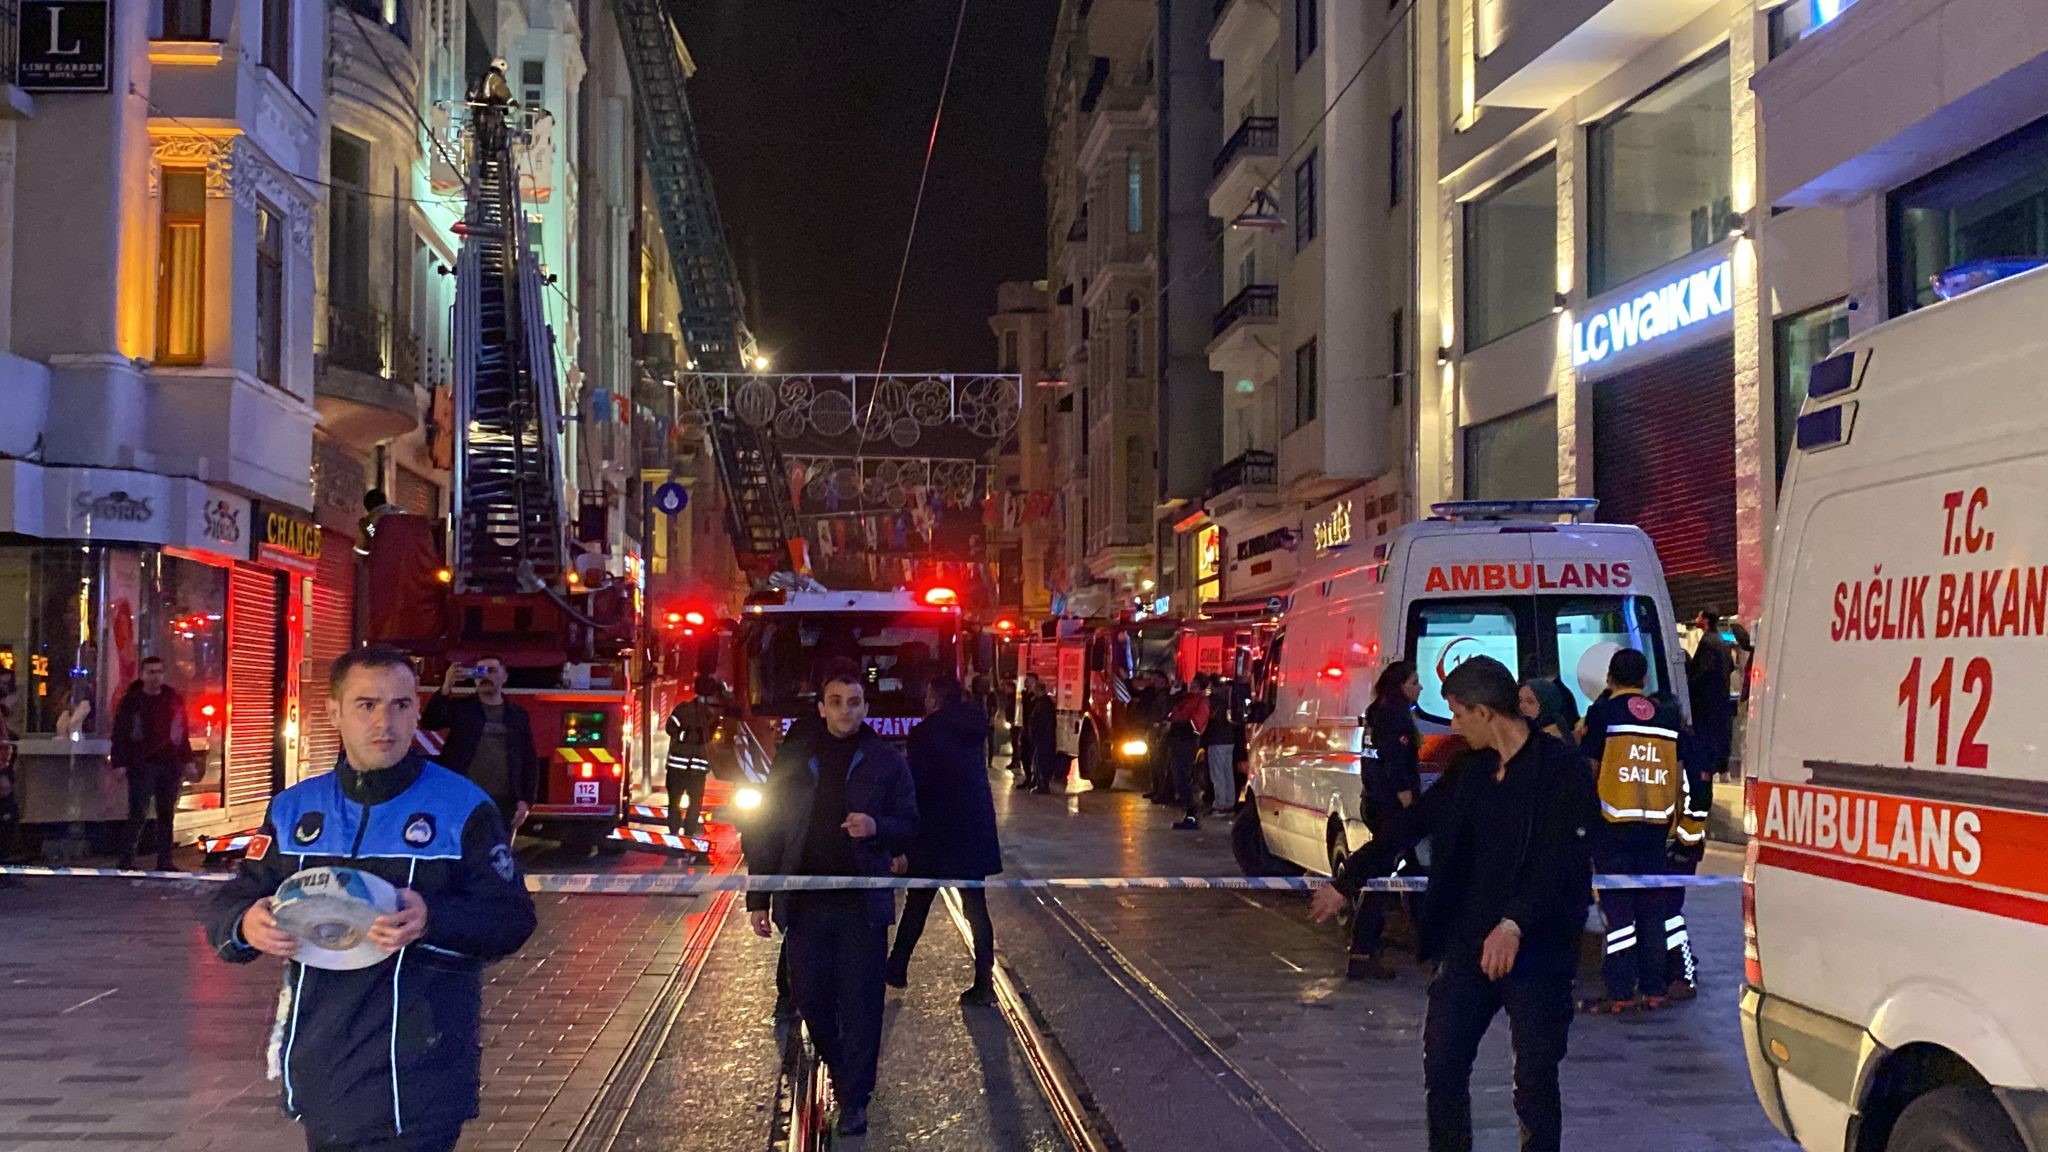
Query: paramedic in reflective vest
point(690, 728)
point(845, 809)
point(1632, 740)
point(387, 1057)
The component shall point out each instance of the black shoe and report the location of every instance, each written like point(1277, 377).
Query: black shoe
point(1021, 784)
point(897, 976)
point(853, 1121)
point(1042, 789)
point(982, 995)
point(1186, 824)
point(1369, 968)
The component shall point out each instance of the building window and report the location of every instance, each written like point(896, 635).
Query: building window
point(188, 19)
point(533, 82)
point(1513, 457)
point(1397, 158)
point(1010, 351)
point(1991, 203)
point(1307, 390)
point(1134, 340)
point(1307, 15)
point(277, 38)
point(1662, 178)
point(1305, 201)
point(181, 287)
point(269, 294)
point(1798, 343)
point(1134, 191)
point(1397, 356)
point(1802, 18)
point(348, 222)
point(1511, 255)
point(1137, 466)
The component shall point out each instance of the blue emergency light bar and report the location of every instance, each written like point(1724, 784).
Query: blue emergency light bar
point(1573, 506)
point(1977, 274)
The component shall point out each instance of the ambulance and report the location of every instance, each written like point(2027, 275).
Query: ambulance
point(1896, 885)
point(1531, 583)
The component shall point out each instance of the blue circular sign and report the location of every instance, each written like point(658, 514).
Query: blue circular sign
point(671, 498)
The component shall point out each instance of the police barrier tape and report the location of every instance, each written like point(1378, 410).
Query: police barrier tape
point(700, 884)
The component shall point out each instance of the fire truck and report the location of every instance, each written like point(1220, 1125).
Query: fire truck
point(1096, 670)
point(789, 638)
point(498, 581)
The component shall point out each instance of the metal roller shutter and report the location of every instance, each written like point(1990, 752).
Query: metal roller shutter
point(332, 633)
point(1664, 459)
point(415, 493)
point(255, 610)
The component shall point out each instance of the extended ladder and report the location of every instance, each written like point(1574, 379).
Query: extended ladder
point(759, 509)
point(509, 524)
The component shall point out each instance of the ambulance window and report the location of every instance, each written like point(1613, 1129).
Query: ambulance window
point(1589, 630)
point(1443, 634)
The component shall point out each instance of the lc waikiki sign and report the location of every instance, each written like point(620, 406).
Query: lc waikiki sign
point(1658, 312)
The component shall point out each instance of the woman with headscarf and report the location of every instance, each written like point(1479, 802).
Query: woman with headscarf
point(1549, 707)
point(1390, 777)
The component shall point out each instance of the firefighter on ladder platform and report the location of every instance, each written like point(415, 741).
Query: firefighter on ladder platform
point(1647, 815)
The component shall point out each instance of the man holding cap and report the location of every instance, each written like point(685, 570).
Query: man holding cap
point(388, 1056)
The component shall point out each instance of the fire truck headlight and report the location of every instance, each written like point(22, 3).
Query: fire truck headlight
point(747, 799)
point(1132, 749)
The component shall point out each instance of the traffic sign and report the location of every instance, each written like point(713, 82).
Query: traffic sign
point(671, 498)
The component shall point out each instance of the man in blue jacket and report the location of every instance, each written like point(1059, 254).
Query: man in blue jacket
point(387, 1057)
point(839, 804)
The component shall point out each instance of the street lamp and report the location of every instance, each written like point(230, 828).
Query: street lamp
point(760, 363)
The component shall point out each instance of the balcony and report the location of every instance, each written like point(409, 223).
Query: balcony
point(374, 12)
point(1242, 31)
point(1245, 164)
point(1542, 53)
point(1254, 304)
point(1116, 110)
point(1254, 469)
point(368, 370)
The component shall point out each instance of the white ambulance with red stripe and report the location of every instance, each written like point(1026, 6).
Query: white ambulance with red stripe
point(1896, 904)
point(1527, 582)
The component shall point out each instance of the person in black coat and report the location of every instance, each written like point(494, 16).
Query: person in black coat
point(1510, 884)
point(1041, 720)
point(1707, 673)
point(1390, 780)
point(956, 837)
point(837, 804)
point(490, 739)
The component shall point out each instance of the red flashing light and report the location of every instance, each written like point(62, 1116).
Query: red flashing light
point(942, 597)
point(694, 619)
point(589, 772)
point(208, 711)
point(674, 618)
point(1006, 625)
point(618, 771)
point(1334, 672)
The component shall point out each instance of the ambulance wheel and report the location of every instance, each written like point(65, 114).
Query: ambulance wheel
point(1099, 769)
point(1338, 847)
point(1248, 845)
point(1954, 1118)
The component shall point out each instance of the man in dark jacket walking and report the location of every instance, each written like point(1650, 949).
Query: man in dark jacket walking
point(841, 804)
point(1707, 673)
point(956, 837)
point(152, 747)
point(1508, 896)
point(387, 1057)
point(490, 739)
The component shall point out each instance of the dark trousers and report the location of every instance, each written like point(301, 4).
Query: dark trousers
point(686, 784)
point(152, 783)
point(837, 959)
point(425, 1142)
point(1462, 1005)
point(1634, 964)
point(917, 905)
point(1045, 765)
point(1180, 749)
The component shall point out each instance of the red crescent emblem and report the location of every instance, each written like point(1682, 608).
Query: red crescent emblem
point(1641, 708)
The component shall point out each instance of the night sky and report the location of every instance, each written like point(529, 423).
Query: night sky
point(814, 116)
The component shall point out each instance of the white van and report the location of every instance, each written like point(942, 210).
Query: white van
point(1896, 910)
point(1504, 579)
